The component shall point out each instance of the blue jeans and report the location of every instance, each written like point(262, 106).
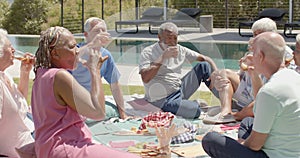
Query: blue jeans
point(177, 102)
point(219, 146)
point(245, 127)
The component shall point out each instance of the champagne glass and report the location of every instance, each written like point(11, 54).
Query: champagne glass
point(243, 64)
point(288, 58)
point(19, 55)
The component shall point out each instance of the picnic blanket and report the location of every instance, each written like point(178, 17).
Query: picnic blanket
point(120, 134)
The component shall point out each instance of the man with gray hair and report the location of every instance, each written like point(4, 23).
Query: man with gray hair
point(263, 25)
point(235, 89)
point(95, 26)
point(160, 67)
point(275, 129)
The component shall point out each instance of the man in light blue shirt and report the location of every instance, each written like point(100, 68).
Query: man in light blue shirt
point(96, 27)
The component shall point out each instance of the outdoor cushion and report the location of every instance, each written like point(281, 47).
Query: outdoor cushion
point(153, 12)
point(187, 13)
point(272, 13)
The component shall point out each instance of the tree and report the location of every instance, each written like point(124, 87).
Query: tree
point(26, 16)
point(53, 14)
point(3, 10)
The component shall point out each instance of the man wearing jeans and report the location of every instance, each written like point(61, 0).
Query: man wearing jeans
point(275, 131)
point(160, 68)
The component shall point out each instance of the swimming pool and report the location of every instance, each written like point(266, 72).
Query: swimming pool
point(226, 55)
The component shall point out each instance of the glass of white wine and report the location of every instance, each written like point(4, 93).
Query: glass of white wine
point(288, 58)
point(243, 64)
point(19, 55)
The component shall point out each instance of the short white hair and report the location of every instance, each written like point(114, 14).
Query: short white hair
point(87, 24)
point(168, 26)
point(264, 25)
point(3, 38)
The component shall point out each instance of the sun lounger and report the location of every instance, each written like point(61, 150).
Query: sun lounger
point(275, 14)
point(289, 27)
point(151, 14)
point(185, 17)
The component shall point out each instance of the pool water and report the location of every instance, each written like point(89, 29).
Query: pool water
point(226, 55)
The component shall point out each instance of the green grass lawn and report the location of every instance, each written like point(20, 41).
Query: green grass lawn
point(129, 90)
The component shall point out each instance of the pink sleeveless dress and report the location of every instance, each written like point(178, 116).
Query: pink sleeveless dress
point(60, 131)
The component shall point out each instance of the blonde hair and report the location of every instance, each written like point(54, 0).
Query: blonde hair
point(3, 38)
point(49, 40)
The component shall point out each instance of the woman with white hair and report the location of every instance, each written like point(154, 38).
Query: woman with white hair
point(13, 106)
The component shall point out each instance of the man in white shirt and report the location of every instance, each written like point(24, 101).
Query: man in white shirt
point(160, 67)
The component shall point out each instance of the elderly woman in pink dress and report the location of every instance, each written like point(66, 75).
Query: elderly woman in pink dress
point(59, 101)
point(15, 126)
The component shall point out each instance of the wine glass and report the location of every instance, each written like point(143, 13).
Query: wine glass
point(19, 55)
point(243, 64)
point(288, 58)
